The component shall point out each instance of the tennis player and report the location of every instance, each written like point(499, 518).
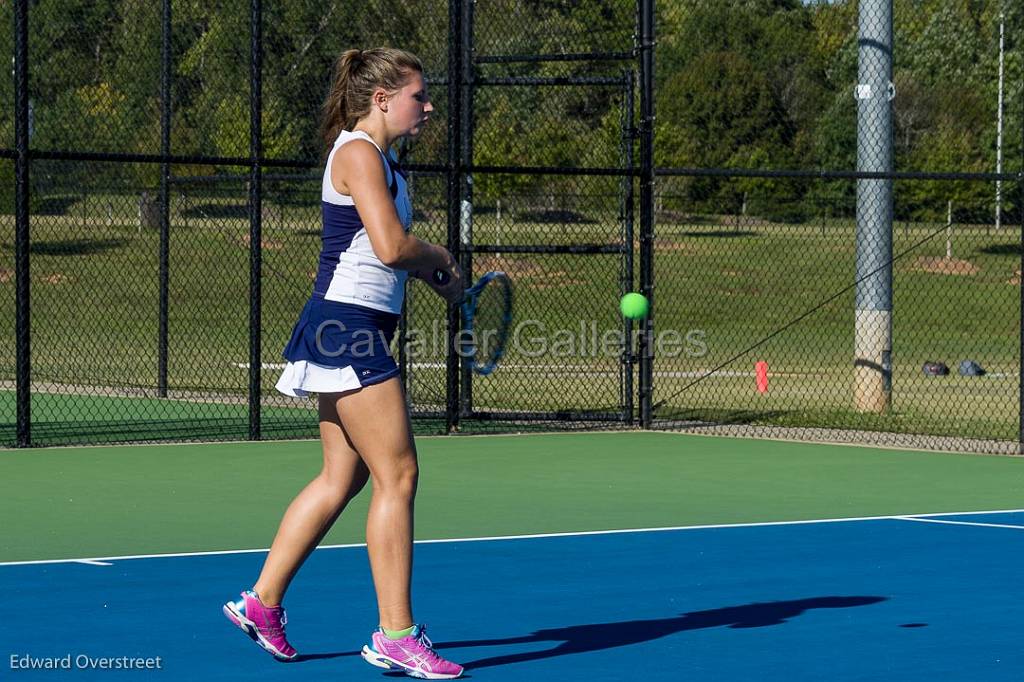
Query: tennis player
point(339, 351)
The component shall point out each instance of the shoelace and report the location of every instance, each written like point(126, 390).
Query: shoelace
point(428, 645)
point(278, 629)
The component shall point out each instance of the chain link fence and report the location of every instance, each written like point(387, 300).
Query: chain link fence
point(809, 279)
point(883, 308)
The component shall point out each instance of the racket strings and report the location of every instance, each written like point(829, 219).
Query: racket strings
point(488, 322)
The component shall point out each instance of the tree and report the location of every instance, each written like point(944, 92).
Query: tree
point(740, 85)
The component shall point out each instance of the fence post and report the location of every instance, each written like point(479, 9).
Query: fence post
point(21, 230)
point(455, 173)
point(255, 215)
point(466, 73)
point(165, 210)
point(949, 229)
point(1020, 288)
point(628, 135)
point(646, 204)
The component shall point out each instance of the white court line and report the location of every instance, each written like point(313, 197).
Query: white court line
point(758, 524)
point(959, 523)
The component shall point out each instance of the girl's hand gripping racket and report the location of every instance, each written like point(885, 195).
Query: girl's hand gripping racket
point(486, 319)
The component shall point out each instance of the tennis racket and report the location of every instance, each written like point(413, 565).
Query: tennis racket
point(486, 319)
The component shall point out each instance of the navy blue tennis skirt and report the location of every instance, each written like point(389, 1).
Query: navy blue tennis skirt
point(338, 347)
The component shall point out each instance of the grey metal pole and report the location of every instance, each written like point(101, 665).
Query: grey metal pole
point(23, 334)
point(255, 217)
point(873, 315)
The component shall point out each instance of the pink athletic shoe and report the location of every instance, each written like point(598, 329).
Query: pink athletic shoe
point(265, 625)
point(413, 654)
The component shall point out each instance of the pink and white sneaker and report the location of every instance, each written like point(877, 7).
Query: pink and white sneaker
point(265, 625)
point(413, 654)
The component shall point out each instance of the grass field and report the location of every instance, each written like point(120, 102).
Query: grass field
point(742, 288)
point(95, 306)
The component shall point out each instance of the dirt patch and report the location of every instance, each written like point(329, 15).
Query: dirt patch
point(743, 291)
point(268, 244)
point(6, 275)
point(668, 245)
point(516, 268)
point(525, 270)
point(1015, 280)
point(944, 266)
point(56, 278)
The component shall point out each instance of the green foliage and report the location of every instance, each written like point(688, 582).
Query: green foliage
point(6, 187)
point(745, 88)
point(762, 84)
point(502, 135)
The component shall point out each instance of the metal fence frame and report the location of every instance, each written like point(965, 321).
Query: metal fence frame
point(460, 402)
point(458, 170)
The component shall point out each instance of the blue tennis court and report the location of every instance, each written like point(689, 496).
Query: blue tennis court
point(908, 598)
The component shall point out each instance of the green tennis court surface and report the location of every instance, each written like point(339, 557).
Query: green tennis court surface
point(105, 501)
point(74, 416)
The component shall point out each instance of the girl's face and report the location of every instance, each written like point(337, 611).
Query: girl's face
point(410, 107)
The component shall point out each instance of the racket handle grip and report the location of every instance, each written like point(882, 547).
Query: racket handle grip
point(441, 277)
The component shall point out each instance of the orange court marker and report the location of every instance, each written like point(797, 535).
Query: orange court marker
point(761, 370)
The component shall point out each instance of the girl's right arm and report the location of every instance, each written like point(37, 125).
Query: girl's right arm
point(357, 171)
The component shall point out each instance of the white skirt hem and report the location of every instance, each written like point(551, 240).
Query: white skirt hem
point(301, 378)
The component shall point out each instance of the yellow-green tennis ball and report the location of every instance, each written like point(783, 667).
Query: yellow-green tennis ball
point(634, 306)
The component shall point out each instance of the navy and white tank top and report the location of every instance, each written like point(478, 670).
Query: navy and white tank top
point(349, 270)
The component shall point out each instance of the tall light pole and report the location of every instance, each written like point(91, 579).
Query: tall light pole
point(873, 313)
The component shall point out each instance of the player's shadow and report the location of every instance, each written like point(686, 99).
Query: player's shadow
point(578, 639)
